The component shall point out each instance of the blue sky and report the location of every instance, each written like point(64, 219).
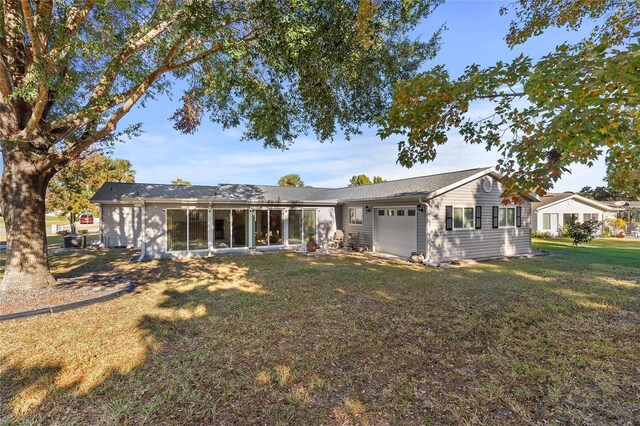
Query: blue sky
point(475, 35)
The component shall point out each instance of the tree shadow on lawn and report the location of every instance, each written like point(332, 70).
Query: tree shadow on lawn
point(293, 339)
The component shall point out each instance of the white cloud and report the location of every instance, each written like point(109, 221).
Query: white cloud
point(211, 158)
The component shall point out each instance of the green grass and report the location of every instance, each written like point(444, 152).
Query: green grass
point(49, 220)
point(291, 339)
point(62, 261)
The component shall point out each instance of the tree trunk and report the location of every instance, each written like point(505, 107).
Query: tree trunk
point(23, 190)
point(72, 222)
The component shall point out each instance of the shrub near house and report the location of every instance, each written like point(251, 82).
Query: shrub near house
point(583, 232)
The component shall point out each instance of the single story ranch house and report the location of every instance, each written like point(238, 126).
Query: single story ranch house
point(446, 216)
point(554, 210)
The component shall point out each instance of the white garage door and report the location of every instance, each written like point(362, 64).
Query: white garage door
point(395, 230)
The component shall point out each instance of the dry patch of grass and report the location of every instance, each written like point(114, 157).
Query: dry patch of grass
point(283, 338)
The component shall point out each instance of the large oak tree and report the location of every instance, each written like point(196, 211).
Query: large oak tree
point(71, 70)
point(578, 103)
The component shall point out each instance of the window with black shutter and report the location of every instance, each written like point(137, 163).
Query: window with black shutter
point(519, 216)
point(478, 217)
point(449, 218)
point(494, 217)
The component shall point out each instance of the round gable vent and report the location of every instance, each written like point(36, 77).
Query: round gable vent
point(487, 185)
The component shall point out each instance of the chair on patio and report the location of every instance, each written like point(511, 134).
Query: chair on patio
point(337, 240)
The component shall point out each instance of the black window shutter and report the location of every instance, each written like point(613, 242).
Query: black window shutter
point(449, 218)
point(519, 216)
point(495, 216)
point(478, 217)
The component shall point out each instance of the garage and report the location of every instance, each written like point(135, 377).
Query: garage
point(395, 230)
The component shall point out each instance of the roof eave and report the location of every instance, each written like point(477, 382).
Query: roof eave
point(215, 201)
point(411, 197)
point(582, 199)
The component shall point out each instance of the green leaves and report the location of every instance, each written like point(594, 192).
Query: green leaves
point(569, 107)
point(357, 180)
point(292, 179)
point(71, 189)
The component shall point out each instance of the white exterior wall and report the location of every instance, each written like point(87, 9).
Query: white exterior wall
point(487, 242)
point(568, 206)
point(121, 225)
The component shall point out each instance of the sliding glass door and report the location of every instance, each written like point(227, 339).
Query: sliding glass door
point(268, 228)
point(198, 230)
point(295, 227)
point(221, 229)
point(240, 228)
point(302, 223)
point(187, 230)
point(309, 224)
point(230, 228)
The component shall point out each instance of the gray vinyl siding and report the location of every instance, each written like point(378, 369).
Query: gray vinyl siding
point(364, 231)
point(339, 218)
point(471, 243)
point(422, 234)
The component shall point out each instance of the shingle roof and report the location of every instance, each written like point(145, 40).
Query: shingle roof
point(550, 198)
point(420, 186)
point(115, 191)
point(412, 187)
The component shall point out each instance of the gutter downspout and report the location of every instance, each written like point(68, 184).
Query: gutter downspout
point(143, 212)
point(427, 249)
point(101, 225)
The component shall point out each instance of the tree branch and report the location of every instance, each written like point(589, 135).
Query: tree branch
point(501, 95)
point(14, 48)
point(6, 85)
point(111, 123)
point(75, 19)
point(28, 21)
point(137, 42)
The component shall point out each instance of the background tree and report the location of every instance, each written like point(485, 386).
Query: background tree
point(178, 181)
point(291, 180)
point(357, 180)
point(603, 193)
point(70, 71)
point(572, 106)
point(71, 189)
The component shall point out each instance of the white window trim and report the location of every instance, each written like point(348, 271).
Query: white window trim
point(349, 216)
point(453, 219)
point(515, 219)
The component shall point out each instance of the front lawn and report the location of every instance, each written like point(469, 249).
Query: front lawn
point(293, 339)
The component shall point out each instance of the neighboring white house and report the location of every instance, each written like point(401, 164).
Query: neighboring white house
point(556, 209)
point(446, 216)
